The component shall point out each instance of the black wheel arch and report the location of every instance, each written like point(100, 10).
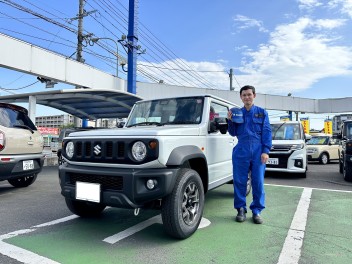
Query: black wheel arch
point(192, 157)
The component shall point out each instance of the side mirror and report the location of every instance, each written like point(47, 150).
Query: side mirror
point(221, 124)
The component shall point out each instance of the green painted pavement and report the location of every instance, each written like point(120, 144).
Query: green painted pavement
point(328, 231)
point(224, 241)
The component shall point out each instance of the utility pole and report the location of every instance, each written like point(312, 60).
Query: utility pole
point(79, 45)
point(80, 31)
point(132, 50)
point(231, 75)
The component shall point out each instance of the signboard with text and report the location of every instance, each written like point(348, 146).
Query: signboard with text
point(305, 124)
point(328, 126)
point(48, 130)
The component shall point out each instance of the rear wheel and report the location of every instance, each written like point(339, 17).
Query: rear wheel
point(84, 209)
point(23, 181)
point(182, 210)
point(324, 159)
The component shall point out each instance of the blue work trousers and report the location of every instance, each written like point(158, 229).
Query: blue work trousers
point(246, 156)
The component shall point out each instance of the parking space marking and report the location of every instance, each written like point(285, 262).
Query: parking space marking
point(291, 251)
point(132, 230)
point(24, 255)
point(140, 226)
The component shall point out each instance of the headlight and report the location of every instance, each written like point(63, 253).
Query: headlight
point(297, 147)
point(139, 151)
point(70, 148)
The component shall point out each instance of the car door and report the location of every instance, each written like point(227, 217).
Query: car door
point(219, 146)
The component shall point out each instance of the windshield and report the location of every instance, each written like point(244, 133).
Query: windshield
point(318, 141)
point(285, 131)
point(186, 110)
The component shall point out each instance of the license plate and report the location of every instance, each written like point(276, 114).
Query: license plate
point(273, 161)
point(28, 165)
point(88, 191)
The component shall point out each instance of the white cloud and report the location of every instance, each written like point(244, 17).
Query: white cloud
point(346, 6)
point(295, 58)
point(243, 22)
point(308, 4)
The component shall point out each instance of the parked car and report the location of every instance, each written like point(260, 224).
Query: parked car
point(288, 152)
point(322, 148)
point(21, 146)
point(54, 143)
point(345, 150)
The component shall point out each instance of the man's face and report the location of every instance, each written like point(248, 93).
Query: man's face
point(247, 97)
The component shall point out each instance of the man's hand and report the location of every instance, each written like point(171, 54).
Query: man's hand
point(264, 158)
point(229, 115)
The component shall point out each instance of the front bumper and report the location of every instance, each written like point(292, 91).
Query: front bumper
point(11, 166)
point(123, 188)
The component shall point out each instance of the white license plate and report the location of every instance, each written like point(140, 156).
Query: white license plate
point(88, 191)
point(28, 165)
point(273, 161)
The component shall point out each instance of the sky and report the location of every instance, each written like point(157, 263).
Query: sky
point(302, 47)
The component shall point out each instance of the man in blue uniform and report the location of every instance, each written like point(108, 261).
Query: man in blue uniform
point(251, 126)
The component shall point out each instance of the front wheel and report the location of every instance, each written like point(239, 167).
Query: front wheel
point(347, 172)
point(23, 181)
point(182, 209)
point(340, 165)
point(84, 209)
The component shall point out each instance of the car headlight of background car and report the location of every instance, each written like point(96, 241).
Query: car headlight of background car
point(312, 150)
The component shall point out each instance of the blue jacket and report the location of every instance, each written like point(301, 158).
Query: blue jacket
point(255, 126)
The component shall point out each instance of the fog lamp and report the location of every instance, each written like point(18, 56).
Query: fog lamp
point(151, 184)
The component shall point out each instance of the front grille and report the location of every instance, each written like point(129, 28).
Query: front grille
point(280, 148)
point(106, 182)
point(113, 151)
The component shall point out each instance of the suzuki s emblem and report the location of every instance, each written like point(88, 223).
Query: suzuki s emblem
point(97, 150)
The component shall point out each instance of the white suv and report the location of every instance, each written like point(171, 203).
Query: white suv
point(21, 146)
point(169, 154)
point(289, 151)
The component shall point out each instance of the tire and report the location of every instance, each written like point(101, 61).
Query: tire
point(347, 172)
point(324, 159)
point(23, 181)
point(182, 209)
point(340, 165)
point(84, 209)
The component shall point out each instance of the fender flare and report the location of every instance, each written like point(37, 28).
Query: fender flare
point(183, 153)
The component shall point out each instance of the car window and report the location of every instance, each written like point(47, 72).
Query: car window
point(286, 131)
point(11, 118)
point(318, 141)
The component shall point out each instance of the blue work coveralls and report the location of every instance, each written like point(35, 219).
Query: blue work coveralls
point(254, 138)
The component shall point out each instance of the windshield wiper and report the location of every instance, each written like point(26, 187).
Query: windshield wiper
point(25, 127)
point(278, 130)
point(179, 122)
point(146, 124)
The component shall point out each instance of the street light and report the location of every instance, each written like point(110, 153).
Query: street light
point(95, 40)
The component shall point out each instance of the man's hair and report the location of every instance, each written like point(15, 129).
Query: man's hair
point(247, 87)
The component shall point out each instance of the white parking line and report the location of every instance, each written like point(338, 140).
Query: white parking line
point(138, 227)
point(291, 251)
point(23, 255)
point(132, 230)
